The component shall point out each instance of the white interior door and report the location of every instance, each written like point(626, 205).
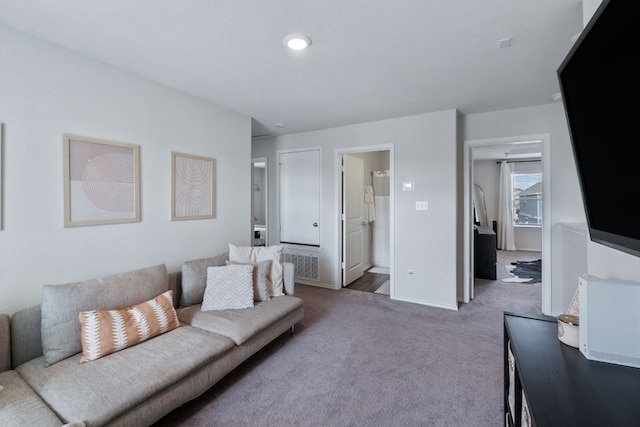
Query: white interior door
point(299, 193)
point(353, 219)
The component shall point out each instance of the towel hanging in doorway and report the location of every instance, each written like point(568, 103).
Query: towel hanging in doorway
point(369, 201)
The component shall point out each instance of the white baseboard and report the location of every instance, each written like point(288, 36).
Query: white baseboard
point(429, 303)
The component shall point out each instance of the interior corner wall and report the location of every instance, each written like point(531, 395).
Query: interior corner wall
point(46, 91)
point(565, 197)
point(425, 153)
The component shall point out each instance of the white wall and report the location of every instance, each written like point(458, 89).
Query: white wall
point(589, 7)
point(424, 153)
point(46, 91)
point(565, 198)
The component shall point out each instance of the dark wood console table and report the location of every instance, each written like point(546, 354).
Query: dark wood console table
point(485, 253)
point(562, 387)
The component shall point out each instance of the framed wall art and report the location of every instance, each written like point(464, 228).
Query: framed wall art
point(192, 187)
point(101, 181)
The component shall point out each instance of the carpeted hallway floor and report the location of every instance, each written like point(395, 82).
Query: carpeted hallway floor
point(361, 359)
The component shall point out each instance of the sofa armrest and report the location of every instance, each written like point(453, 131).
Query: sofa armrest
point(289, 275)
point(5, 342)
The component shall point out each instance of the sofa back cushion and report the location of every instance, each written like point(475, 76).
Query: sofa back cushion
point(194, 278)
point(61, 305)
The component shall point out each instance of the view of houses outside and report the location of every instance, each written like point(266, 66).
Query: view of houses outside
point(527, 198)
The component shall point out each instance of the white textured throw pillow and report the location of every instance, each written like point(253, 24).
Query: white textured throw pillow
point(243, 254)
point(228, 287)
point(261, 282)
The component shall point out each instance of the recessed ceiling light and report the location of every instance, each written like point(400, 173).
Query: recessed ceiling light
point(280, 125)
point(297, 41)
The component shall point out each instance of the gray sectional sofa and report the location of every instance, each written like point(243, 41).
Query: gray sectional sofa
point(45, 385)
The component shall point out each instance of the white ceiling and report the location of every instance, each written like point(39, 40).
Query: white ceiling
point(369, 59)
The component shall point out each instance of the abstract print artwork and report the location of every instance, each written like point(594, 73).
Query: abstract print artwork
point(101, 181)
point(193, 185)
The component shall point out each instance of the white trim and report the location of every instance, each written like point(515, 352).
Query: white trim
point(428, 303)
point(317, 284)
point(338, 217)
point(545, 138)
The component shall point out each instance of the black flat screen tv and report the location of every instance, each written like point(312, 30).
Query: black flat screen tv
point(600, 86)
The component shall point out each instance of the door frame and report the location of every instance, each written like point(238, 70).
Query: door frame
point(266, 197)
point(468, 273)
point(338, 201)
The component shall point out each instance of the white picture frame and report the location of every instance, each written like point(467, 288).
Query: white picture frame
point(193, 186)
point(101, 181)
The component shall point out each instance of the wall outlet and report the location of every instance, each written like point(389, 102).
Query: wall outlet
point(422, 206)
point(410, 273)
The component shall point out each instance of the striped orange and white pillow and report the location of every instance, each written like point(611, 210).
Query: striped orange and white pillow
point(106, 331)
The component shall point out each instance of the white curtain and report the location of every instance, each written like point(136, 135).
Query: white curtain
point(506, 240)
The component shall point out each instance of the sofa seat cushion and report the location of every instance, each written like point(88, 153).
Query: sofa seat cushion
point(99, 391)
point(241, 325)
point(21, 406)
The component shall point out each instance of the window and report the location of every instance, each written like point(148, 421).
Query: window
point(527, 198)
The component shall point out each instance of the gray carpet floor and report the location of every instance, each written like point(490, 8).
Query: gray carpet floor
point(362, 359)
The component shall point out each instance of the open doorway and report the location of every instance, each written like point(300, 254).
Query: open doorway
point(516, 159)
point(365, 213)
point(259, 202)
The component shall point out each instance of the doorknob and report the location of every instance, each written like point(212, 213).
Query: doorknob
point(364, 223)
point(315, 224)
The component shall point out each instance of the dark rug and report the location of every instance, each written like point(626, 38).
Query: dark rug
point(525, 271)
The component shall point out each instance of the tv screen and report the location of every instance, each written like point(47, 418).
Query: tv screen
point(600, 86)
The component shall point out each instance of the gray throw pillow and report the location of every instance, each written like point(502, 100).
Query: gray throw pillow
point(194, 278)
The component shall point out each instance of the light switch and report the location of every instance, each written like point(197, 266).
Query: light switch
point(422, 206)
point(407, 186)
